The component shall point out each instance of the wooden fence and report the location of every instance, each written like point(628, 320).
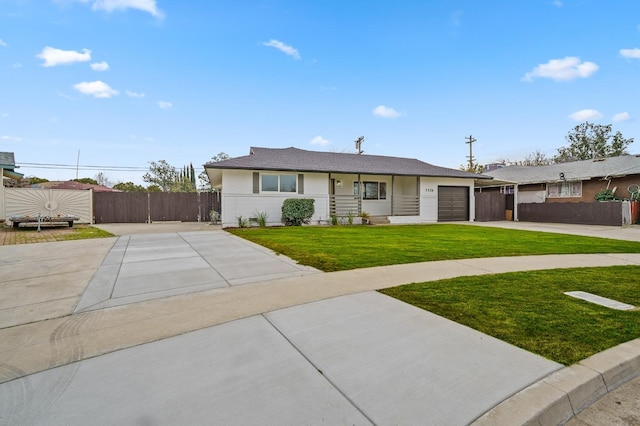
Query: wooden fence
point(141, 207)
point(490, 206)
point(596, 213)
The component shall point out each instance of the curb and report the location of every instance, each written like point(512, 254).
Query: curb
point(560, 396)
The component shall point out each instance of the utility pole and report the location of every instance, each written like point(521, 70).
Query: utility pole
point(470, 141)
point(359, 144)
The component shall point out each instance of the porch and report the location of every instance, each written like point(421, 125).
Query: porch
point(374, 195)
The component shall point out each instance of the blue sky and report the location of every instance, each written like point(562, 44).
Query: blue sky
point(120, 83)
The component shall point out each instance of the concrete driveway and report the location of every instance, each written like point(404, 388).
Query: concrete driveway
point(201, 327)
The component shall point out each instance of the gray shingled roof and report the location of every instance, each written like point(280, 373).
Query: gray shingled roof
point(294, 159)
point(576, 170)
point(7, 160)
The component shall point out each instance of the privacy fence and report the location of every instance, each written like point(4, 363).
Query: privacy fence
point(140, 207)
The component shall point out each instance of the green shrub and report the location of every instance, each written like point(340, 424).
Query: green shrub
point(296, 211)
point(334, 219)
point(242, 222)
point(350, 217)
point(261, 219)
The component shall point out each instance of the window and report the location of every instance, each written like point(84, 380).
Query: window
point(278, 183)
point(564, 189)
point(287, 183)
point(507, 189)
point(371, 190)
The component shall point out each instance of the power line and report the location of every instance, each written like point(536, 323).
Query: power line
point(88, 167)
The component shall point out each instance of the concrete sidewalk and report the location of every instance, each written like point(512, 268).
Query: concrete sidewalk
point(303, 347)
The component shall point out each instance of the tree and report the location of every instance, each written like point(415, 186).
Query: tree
point(33, 180)
point(129, 187)
point(186, 181)
point(103, 179)
point(589, 141)
point(476, 168)
point(87, 181)
point(535, 159)
point(203, 177)
point(162, 174)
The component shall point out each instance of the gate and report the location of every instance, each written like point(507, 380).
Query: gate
point(490, 206)
point(120, 207)
point(141, 207)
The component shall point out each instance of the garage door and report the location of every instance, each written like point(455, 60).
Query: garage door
point(453, 203)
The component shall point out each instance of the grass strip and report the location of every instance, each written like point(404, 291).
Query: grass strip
point(529, 309)
point(30, 234)
point(340, 248)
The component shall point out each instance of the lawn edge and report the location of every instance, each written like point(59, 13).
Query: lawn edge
point(563, 394)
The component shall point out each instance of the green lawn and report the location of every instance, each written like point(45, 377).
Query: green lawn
point(529, 309)
point(340, 248)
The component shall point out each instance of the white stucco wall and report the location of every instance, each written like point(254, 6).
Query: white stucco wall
point(238, 198)
point(429, 196)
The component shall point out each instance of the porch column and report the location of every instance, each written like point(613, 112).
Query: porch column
point(515, 202)
point(360, 190)
point(392, 194)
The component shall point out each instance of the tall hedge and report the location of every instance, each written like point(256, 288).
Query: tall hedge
point(296, 211)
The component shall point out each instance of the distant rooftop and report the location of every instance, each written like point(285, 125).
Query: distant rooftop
point(7, 160)
point(8, 166)
point(577, 170)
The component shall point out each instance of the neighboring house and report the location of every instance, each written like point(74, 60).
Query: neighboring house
point(404, 190)
point(565, 192)
point(577, 181)
point(8, 166)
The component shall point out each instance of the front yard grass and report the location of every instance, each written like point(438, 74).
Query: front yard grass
point(529, 309)
point(350, 247)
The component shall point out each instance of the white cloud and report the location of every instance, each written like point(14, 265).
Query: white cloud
point(134, 94)
point(53, 57)
point(385, 112)
point(319, 140)
point(2, 43)
point(165, 104)
point(10, 138)
point(630, 53)
point(557, 3)
point(99, 66)
point(98, 89)
point(289, 50)
point(564, 69)
point(109, 6)
point(586, 114)
point(622, 116)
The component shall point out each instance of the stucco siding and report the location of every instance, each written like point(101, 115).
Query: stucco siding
point(238, 198)
point(429, 196)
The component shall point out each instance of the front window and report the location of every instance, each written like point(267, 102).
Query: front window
point(564, 189)
point(279, 183)
point(371, 190)
point(287, 183)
